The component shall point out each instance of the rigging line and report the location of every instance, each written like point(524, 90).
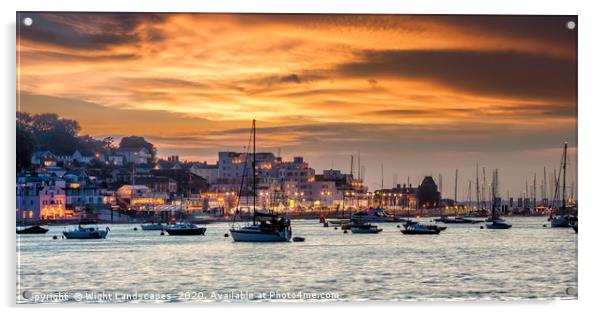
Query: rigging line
point(242, 182)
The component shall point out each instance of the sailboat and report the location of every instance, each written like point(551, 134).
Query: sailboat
point(495, 222)
point(86, 229)
point(35, 229)
point(562, 217)
point(456, 219)
point(267, 226)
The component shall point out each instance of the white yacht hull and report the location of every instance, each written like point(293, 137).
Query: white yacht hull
point(247, 235)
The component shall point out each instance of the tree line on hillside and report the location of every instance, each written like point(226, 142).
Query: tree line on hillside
point(48, 131)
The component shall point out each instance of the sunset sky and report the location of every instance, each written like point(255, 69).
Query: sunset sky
point(422, 95)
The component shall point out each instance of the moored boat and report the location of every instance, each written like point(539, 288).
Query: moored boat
point(562, 221)
point(266, 226)
point(375, 215)
point(457, 220)
point(153, 226)
point(366, 229)
point(338, 221)
point(562, 217)
point(185, 229)
point(497, 224)
point(86, 230)
point(31, 230)
point(415, 228)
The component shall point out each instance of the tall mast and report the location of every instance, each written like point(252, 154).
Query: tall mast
point(534, 191)
point(484, 186)
point(555, 196)
point(478, 196)
point(469, 193)
point(253, 168)
point(359, 165)
point(564, 177)
point(456, 188)
point(526, 192)
point(544, 189)
point(441, 184)
point(351, 166)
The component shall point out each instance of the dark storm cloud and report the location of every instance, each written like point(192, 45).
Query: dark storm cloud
point(493, 111)
point(551, 29)
point(505, 73)
point(88, 31)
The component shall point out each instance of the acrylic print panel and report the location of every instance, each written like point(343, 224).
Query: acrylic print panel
point(295, 157)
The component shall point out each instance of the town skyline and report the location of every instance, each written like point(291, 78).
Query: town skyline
point(422, 95)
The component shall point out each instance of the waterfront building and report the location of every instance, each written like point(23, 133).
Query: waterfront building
point(139, 197)
point(159, 184)
point(187, 183)
point(39, 199)
point(350, 192)
point(428, 193)
point(231, 166)
point(85, 195)
point(208, 171)
point(402, 197)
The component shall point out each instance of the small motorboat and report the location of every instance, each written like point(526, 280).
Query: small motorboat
point(185, 229)
point(562, 221)
point(153, 226)
point(497, 219)
point(365, 229)
point(415, 228)
point(457, 220)
point(378, 215)
point(31, 230)
point(338, 221)
point(498, 224)
point(86, 230)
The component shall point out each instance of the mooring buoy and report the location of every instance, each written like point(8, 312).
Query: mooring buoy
point(345, 231)
point(298, 239)
point(135, 228)
point(162, 233)
point(54, 237)
point(336, 228)
point(226, 235)
point(481, 227)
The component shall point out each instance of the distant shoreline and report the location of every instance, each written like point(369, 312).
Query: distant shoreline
point(308, 216)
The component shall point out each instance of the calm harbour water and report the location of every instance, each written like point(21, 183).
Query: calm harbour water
point(464, 262)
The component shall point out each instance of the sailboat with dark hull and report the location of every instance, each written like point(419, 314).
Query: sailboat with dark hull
point(495, 222)
point(457, 219)
point(267, 226)
point(562, 217)
point(31, 230)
